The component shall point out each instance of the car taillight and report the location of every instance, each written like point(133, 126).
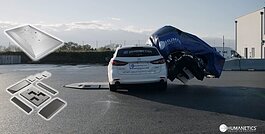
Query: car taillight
point(118, 63)
point(159, 61)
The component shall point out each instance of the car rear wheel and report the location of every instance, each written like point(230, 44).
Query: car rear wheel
point(112, 88)
point(163, 86)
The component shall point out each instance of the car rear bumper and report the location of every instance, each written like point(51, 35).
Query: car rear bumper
point(114, 77)
point(137, 81)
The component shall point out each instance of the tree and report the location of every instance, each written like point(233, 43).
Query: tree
point(86, 47)
point(74, 47)
point(10, 48)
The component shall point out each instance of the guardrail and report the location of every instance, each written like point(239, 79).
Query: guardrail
point(245, 65)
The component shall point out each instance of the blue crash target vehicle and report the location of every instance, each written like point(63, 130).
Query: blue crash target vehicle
point(186, 55)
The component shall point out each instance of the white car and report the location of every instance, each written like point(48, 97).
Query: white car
point(137, 65)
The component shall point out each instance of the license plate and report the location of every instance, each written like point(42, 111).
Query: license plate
point(139, 66)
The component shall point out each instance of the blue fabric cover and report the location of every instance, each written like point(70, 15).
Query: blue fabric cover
point(169, 39)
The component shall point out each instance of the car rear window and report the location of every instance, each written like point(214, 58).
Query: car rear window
point(137, 52)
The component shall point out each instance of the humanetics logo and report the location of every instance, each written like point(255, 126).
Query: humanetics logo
point(31, 94)
point(224, 128)
point(170, 41)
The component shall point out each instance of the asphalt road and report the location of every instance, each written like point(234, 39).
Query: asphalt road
point(236, 99)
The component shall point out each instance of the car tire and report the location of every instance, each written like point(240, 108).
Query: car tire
point(163, 86)
point(112, 88)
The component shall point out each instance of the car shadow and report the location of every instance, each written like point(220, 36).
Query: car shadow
point(239, 101)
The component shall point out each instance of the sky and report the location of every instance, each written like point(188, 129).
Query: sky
point(119, 20)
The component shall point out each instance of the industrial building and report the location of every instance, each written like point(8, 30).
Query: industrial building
point(249, 35)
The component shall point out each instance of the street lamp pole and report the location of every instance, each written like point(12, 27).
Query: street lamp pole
point(223, 45)
point(261, 33)
point(236, 36)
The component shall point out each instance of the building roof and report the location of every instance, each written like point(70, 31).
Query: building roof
point(261, 9)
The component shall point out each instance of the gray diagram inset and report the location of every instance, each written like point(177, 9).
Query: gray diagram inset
point(34, 42)
point(31, 94)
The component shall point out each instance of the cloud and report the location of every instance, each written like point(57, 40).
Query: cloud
point(88, 31)
point(89, 25)
point(137, 30)
point(116, 19)
point(83, 25)
point(7, 24)
point(51, 27)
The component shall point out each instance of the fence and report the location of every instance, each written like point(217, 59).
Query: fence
point(245, 64)
point(58, 58)
point(10, 59)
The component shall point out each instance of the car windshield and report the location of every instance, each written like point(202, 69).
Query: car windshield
point(137, 52)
